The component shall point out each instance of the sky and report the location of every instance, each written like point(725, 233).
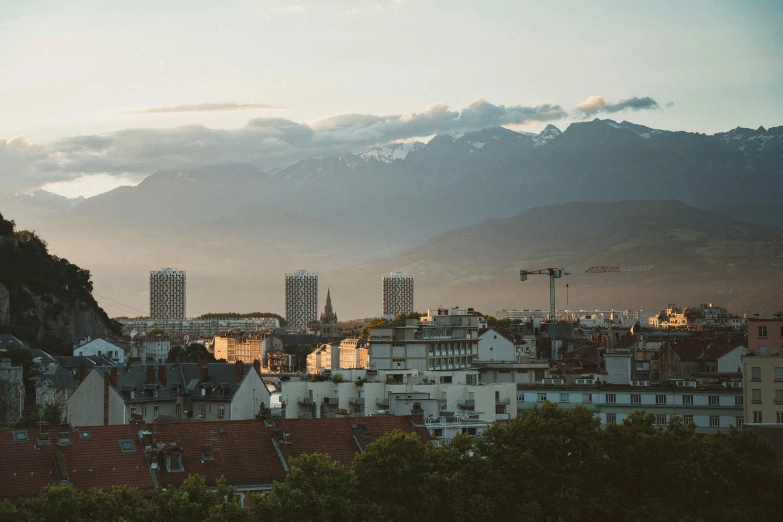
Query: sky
point(97, 94)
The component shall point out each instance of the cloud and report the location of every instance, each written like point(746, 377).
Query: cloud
point(596, 104)
point(17, 158)
point(205, 107)
point(291, 8)
point(265, 142)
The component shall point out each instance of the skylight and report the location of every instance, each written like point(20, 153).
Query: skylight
point(127, 445)
point(20, 435)
point(85, 434)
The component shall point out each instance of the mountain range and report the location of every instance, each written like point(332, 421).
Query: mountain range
point(451, 210)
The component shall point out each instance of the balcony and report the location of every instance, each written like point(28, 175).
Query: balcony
point(503, 401)
point(382, 402)
point(331, 401)
point(356, 401)
point(503, 417)
point(469, 403)
point(306, 401)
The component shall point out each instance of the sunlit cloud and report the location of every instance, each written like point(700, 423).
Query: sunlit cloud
point(597, 104)
point(205, 107)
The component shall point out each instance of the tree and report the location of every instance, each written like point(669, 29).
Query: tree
point(51, 414)
point(193, 500)
point(194, 353)
point(317, 488)
point(377, 322)
point(24, 358)
point(155, 332)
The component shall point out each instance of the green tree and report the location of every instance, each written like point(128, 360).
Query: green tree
point(24, 358)
point(193, 500)
point(51, 414)
point(377, 322)
point(193, 353)
point(316, 488)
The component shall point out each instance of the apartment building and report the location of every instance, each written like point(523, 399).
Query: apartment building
point(712, 408)
point(325, 357)
point(444, 339)
point(155, 349)
point(238, 347)
point(199, 327)
point(397, 294)
point(301, 299)
point(168, 294)
point(112, 395)
point(353, 353)
point(765, 336)
point(763, 387)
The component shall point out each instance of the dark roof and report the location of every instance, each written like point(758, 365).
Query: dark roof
point(74, 361)
point(60, 377)
point(244, 452)
point(704, 349)
point(93, 462)
point(297, 338)
point(9, 341)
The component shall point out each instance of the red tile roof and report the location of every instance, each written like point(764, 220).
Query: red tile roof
point(246, 455)
point(96, 461)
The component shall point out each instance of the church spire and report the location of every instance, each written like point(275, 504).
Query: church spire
point(328, 308)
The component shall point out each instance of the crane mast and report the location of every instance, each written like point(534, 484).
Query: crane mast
point(556, 273)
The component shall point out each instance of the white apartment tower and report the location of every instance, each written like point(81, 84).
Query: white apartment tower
point(397, 293)
point(167, 294)
point(301, 299)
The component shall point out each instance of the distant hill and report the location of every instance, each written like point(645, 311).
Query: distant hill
point(238, 228)
point(44, 299)
point(699, 256)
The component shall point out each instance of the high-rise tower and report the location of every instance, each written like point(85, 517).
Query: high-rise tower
point(301, 299)
point(397, 293)
point(167, 294)
point(328, 318)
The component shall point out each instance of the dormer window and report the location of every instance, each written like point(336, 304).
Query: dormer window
point(174, 462)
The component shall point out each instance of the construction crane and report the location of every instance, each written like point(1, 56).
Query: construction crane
point(556, 273)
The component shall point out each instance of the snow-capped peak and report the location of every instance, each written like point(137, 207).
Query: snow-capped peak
point(392, 152)
point(549, 133)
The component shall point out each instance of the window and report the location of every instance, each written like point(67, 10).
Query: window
point(779, 373)
point(660, 399)
point(85, 434)
point(611, 418)
point(542, 397)
point(660, 420)
point(687, 419)
point(714, 400)
point(687, 400)
point(738, 400)
point(445, 379)
point(221, 411)
point(20, 435)
point(780, 417)
point(756, 396)
point(176, 409)
point(155, 412)
point(174, 462)
point(762, 332)
point(520, 397)
point(587, 397)
point(611, 398)
point(739, 421)
point(539, 375)
point(755, 373)
point(779, 396)
point(564, 397)
point(714, 422)
point(757, 417)
point(127, 445)
point(636, 398)
point(203, 409)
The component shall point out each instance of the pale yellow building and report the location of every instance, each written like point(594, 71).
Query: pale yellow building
point(239, 348)
point(353, 353)
point(763, 389)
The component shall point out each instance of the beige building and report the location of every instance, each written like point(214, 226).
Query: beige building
point(353, 353)
point(239, 348)
point(120, 395)
point(324, 357)
point(444, 339)
point(763, 389)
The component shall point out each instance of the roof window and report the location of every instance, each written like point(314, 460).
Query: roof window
point(20, 435)
point(85, 434)
point(222, 431)
point(127, 446)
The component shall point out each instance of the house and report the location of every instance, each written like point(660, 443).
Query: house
point(202, 391)
point(499, 345)
point(101, 347)
point(685, 359)
point(252, 454)
point(11, 392)
point(85, 458)
point(9, 341)
point(55, 384)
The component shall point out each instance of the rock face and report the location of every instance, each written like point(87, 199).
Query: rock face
point(66, 322)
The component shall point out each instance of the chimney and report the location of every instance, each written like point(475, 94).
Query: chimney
point(115, 380)
point(239, 367)
point(61, 463)
point(106, 381)
point(81, 373)
point(203, 371)
point(162, 375)
point(150, 374)
point(257, 366)
point(417, 414)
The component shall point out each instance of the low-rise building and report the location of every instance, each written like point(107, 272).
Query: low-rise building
point(712, 408)
point(353, 353)
point(200, 327)
point(325, 357)
point(233, 347)
point(155, 349)
point(765, 336)
point(763, 386)
point(203, 391)
point(101, 348)
point(498, 345)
